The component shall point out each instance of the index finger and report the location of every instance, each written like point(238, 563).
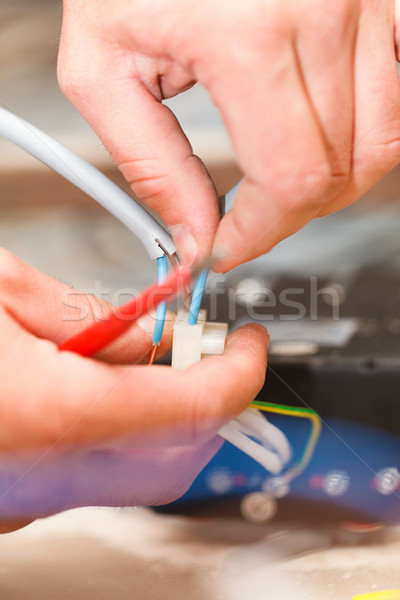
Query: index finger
point(142, 135)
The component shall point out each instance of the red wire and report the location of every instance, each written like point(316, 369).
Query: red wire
point(98, 336)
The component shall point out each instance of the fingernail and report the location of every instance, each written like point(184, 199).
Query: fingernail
point(220, 254)
point(147, 322)
point(185, 244)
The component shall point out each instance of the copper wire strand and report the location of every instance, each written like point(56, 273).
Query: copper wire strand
point(153, 354)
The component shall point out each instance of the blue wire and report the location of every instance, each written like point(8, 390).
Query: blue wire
point(228, 201)
point(197, 297)
point(162, 307)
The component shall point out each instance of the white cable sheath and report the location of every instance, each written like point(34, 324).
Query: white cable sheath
point(267, 459)
point(251, 432)
point(89, 179)
point(269, 446)
point(256, 425)
point(261, 438)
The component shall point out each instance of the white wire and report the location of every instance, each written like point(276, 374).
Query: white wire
point(267, 459)
point(271, 450)
point(263, 439)
point(89, 179)
point(260, 428)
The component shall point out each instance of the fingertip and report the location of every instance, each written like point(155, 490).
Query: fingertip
point(252, 335)
point(234, 378)
point(247, 347)
point(148, 321)
point(191, 211)
point(135, 345)
point(221, 256)
point(186, 244)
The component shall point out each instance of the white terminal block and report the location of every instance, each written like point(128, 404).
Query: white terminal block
point(193, 342)
point(190, 344)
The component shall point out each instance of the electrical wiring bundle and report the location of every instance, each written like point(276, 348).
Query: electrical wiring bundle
point(251, 432)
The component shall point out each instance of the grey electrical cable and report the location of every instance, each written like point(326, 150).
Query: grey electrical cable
point(227, 201)
point(89, 179)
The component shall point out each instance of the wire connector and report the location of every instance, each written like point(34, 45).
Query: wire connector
point(193, 342)
point(250, 432)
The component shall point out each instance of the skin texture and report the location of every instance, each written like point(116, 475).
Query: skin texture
point(78, 431)
point(308, 90)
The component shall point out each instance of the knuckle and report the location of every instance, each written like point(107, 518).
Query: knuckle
point(72, 84)
point(147, 181)
point(94, 308)
point(314, 176)
point(64, 72)
point(339, 177)
point(10, 267)
point(195, 415)
point(302, 183)
point(380, 147)
point(84, 308)
point(201, 415)
point(383, 152)
point(384, 155)
point(386, 148)
point(338, 18)
point(76, 81)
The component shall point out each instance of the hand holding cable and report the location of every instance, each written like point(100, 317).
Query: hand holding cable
point(78, 431)
point(308, 91)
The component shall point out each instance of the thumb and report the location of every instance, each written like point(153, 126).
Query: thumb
point(143, 137)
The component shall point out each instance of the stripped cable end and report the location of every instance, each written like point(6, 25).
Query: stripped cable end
point(153, 354)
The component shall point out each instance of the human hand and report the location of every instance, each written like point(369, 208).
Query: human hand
point(78, 431)
point(308, 90)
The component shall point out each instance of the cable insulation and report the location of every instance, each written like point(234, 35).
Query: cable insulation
point(89, 179)
point(162, 307)
point(197, 297)
point(100, 334)
point(305, 413)
point(269, 460)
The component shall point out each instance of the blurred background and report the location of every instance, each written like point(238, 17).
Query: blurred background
point(95, 553)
